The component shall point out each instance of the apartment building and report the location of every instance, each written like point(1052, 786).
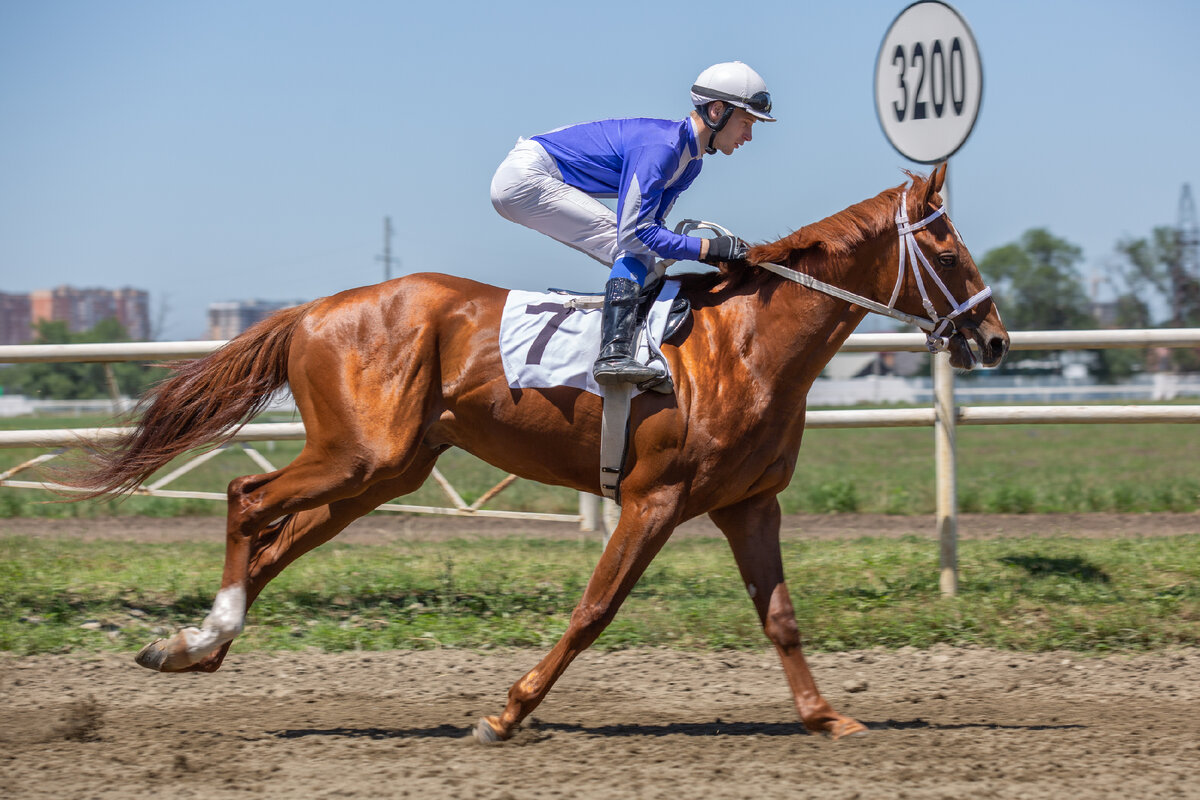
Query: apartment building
point(81, 309)
point(227, 320)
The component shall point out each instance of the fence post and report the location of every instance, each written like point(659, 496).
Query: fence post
point(589, 511)
point(612, 515)
point(944, 433)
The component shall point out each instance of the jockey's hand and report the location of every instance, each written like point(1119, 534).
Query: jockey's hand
point(725, 248)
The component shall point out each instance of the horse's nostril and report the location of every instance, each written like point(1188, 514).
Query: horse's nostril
point(997, 345)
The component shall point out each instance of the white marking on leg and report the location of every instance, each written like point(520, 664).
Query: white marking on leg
point(223, 623)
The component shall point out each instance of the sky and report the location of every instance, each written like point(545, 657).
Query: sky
point(217, 151)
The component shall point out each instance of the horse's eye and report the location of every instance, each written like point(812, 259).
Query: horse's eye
point(947, 259)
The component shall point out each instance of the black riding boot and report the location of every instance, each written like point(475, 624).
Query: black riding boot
point(618, 327)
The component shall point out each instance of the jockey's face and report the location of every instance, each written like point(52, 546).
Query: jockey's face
point(736, 131)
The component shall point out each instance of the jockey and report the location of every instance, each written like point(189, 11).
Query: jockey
point(550, 183)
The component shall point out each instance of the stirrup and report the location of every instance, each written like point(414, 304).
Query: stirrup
point(660, 383)
point(623, 370)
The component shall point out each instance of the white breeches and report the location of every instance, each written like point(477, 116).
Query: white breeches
point(529, 189)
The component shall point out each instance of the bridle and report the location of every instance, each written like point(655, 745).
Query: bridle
point(938, 336)
point(938, 329)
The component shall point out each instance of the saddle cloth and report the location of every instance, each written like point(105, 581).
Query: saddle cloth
point(548, 340)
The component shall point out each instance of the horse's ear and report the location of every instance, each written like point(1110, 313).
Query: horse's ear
point(936, 180)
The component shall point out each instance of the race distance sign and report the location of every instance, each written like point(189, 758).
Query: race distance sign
point(928, 82)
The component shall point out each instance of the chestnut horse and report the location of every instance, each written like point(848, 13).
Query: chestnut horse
point(387, 377)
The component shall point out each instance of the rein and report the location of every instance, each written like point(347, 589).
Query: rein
point(938, 329)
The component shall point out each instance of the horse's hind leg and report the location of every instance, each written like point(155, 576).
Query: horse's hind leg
point(250, 563)
point(752, 528)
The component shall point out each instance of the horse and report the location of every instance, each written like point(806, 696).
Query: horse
point(389, 376)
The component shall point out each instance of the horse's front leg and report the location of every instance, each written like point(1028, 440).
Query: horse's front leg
point(645, 525)
point(752, 528)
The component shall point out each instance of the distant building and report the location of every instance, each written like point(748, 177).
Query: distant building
point(227, 320)
point(80, 309)
point(16, 319)
point(133, 311)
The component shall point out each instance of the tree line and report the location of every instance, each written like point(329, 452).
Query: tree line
point(1038, 286)
point(78, 381)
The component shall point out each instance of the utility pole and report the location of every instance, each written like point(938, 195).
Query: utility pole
point(386, 258)
point(1185, 269)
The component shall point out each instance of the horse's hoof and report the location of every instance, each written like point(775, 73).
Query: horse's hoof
point(153, 656)
point(486, 734)
point(164, 655)
point(845, 728)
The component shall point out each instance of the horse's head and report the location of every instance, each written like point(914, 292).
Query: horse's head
point(938, 279)
point(898, 254)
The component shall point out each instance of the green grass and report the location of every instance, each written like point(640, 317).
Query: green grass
point(1001, 469)
point(1086, 595)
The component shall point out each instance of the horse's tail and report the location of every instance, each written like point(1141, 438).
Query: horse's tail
point(204, 402)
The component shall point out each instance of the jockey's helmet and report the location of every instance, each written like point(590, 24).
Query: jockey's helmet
point(733, 83)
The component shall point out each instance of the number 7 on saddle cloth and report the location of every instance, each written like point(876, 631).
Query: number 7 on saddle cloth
point(546, 341)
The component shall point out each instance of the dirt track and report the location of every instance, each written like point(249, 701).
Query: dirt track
point(945, 723)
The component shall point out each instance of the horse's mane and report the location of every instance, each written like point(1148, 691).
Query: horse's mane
point(842, 232)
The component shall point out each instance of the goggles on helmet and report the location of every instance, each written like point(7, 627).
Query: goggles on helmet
point(759, 101)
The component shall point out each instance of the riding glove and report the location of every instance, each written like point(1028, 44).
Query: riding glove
point(725, 248)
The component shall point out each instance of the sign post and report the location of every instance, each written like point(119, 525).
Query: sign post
point(928, 89)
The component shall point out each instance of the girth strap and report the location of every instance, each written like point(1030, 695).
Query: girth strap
point(614, 433)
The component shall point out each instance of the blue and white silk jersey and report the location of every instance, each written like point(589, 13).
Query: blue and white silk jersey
point(645, 164)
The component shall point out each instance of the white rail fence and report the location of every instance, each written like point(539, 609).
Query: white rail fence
point(944, 415)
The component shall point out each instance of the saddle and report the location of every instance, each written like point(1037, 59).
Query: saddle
point(677, 316)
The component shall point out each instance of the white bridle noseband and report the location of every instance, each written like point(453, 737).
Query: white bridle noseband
point(938, 329)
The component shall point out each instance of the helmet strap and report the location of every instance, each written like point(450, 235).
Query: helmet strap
point(715, 127)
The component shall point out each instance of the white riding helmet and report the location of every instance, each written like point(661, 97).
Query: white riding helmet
point(732, 82)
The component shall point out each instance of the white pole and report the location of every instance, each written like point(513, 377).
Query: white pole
point(944, 438)
point(944, 434)
point(590, 511)
point(612, 516)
